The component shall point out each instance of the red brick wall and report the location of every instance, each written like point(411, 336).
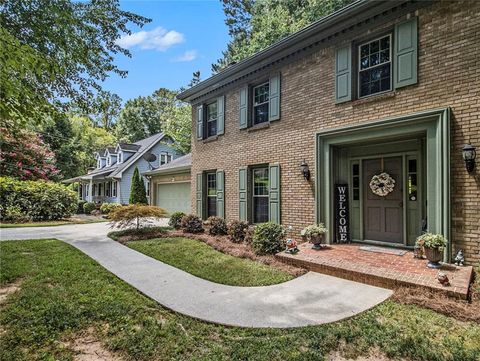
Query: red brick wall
point(448, 76)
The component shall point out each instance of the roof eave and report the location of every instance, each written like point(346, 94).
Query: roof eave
point(168, 170)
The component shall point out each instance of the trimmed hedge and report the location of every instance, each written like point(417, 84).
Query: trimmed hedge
point(268, 238)
point(217, 226)
point(89, 207)
point(175, 220)
point(106, 208)
point(36, 200)
point(192, 224)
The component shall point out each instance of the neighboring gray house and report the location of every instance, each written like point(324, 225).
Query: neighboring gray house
point(111, 181)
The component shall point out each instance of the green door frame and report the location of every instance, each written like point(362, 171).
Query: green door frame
point(435, 124)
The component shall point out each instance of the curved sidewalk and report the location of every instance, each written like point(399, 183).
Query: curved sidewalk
point(311, 299)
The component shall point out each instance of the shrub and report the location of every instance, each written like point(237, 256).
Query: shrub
point(268, 238)
point(192, 224)
point(89, 207)
point(249, 234)
point(14, 214)
point(175, 220)
point(237, 231)
point(80, 204)
point(138, 194)
point(106, 208)
point(135, 214)
point(36, 200)
point(218, 226)
point(431, 240)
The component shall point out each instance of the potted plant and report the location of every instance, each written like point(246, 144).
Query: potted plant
point(433, 245)
point(315, 234)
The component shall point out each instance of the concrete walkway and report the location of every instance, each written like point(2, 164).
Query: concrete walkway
point(311, 299)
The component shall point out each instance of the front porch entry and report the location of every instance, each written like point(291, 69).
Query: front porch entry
point(413, 151)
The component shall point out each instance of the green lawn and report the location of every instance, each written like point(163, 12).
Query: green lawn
point(203, 261)
point(63, 292)
point(50, 223)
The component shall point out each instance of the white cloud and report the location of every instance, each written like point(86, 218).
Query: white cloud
point(189, 55)
point(159, 39)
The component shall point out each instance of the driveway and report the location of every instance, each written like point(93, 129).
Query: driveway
point(311, 299)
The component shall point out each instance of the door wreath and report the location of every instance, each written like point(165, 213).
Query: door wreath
point(382, 184)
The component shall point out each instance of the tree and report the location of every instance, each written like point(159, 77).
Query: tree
point(138, 195)
point(106, 108)
point(179, 127)
point(254, 25)
point(134, 214)
point(144, 116)
point(58, 49)
point(25, 156)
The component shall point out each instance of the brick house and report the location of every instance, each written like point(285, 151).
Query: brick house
point(379, 86)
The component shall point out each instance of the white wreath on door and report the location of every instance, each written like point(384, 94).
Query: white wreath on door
point(382, 184)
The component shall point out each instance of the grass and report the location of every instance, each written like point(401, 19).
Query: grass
point(201, 260)
point(50, 223)
point(63, 292)
point(130, 234)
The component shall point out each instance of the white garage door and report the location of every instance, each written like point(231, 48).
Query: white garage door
point(174, 197)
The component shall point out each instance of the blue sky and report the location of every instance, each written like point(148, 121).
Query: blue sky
point(184, 36)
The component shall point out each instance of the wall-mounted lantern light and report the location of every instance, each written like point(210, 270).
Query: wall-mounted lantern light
point(305, 170)
point(469, 155)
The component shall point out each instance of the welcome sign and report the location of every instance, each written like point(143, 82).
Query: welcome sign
point(342, 234)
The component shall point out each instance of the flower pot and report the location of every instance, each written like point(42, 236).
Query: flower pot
point(317, 241)
point(434, 256)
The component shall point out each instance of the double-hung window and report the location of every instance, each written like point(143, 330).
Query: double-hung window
point(375, 66)
point(114, 189)
point(211, 179)
point(260, 186)
point(260, 103)
point(212, 116)
point(165, 158)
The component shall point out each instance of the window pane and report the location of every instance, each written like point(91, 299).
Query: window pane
point(412, 165)
point(385, 43)
point(355, 169)
point(211, 184)
point(211, 128)
point(374, 46)
point(260, 113)
point(356, 182)
point(211, 206)
point(260, 182)
point(212, 111)
point(260, 94)
point(374, 66)
point(260, 209)
point(356, 194)
point(374, 59)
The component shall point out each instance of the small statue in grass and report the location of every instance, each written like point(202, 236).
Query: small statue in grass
point(459, 259)
point(292, 246)
point(443, 279)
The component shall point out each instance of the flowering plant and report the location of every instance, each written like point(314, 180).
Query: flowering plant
point(431, 240)
point(313, 230)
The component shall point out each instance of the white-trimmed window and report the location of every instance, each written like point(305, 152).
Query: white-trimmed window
point(114, 188)
point(120, 157)
point(147, 187)
point(212, 115)
point(87, 188)
point(260, 103)
point(375, 66)
point(260, 194)
point(165, 158)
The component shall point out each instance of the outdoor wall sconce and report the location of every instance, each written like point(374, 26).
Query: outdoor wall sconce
point(469, 155)
point(305, 170)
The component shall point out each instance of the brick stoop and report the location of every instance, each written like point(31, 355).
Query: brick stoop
point(379, 269)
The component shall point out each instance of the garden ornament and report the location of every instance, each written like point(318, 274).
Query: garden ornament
point(443, 279)
point(459, 259)
point(292, 247)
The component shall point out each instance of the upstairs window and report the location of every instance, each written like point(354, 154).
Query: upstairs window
point(260, 103)
point(375, 66)
point(212, 115)
point(165, 158)
point(120, 157)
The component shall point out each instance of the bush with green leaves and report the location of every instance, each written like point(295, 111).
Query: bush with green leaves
point(217, 226)
point(268, 238)
point(80, 205)
point(175, 220)
point(432, 240)
point(36, 200)
point(106, 208)
point(237, 231)
point(192, 224)
point(89, 207)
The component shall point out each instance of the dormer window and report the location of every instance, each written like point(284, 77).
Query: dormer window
point(99, 163)
point(165, 158)
point(120, 157)
point(108, 161)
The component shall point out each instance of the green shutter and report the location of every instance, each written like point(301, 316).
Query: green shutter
point(199, 195)
point(221, 115)
point(343, 74)
point(243, 108)
point(405, 54)
point(274, 193)
point(274, 98)
point(242, 193)
point(221, 193)
point(200, 122)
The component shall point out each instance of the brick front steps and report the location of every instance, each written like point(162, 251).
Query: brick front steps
point(379, 269)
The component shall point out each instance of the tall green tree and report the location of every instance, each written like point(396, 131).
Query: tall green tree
point(179, 127)
point(138, 194)
point(144, 116)
point(105, 109)
point(255, 25)
point(56, 50)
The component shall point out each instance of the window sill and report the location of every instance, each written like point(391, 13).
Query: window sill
point(210, 139)
point(258, 127)
point(374, 98)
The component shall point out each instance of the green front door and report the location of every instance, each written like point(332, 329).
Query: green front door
point(174, 197)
